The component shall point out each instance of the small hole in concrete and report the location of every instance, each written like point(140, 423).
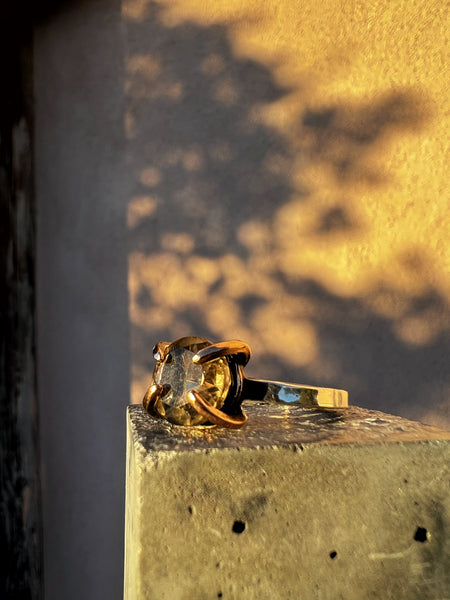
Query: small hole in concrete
point(191, 510)
point(333, 554)
point(421, 534)
point(219, 595)
point(238, 526)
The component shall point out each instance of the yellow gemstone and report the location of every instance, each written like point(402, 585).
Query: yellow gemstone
point(212, 380)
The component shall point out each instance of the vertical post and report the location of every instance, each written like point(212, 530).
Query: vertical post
point(20, 515)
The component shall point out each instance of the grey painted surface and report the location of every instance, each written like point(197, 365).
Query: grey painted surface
point(82, 298)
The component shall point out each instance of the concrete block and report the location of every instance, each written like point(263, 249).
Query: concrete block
point(300, 503)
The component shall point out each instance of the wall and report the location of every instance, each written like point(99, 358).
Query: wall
point(82, 298)
point(290, 179)
point(273, 172)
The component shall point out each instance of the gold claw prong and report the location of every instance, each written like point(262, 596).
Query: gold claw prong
point(232, 347)
point(215, 415)
point(152, 397)
point(160, 350)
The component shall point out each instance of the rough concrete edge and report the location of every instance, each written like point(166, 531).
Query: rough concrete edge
point(131, 583)
point(155, 458)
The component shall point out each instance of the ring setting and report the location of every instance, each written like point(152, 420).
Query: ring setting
point(196, 382)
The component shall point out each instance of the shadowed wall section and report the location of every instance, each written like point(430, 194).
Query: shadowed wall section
point(82, 296)
point(289, 189)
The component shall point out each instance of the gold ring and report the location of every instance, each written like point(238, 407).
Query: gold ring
point(196, 382)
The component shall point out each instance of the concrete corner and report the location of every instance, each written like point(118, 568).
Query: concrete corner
point(300, 503)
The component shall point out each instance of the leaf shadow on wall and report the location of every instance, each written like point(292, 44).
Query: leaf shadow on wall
point(209, 254)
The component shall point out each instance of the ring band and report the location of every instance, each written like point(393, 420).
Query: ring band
point(196, 382)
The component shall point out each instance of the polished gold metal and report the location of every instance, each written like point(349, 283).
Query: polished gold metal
point(214, 415)
point(233, 347)
point(151, 398)
point(234, 355)
point(160, 350)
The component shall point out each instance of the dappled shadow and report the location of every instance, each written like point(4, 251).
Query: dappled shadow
point(194, 146)
point(226, 211)
point(343, 136)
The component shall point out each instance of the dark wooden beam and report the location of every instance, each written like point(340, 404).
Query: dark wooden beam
point(20, 510)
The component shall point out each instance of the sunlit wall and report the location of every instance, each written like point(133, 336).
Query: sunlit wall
point(289, 168)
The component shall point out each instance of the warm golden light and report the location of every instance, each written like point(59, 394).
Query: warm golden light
point(297, 160)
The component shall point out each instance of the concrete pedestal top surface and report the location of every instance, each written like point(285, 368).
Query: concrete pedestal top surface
point(300, 503)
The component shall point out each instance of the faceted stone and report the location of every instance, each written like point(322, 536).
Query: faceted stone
point(212, 380)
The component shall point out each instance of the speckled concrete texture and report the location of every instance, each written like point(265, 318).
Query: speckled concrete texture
point(332, 504)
